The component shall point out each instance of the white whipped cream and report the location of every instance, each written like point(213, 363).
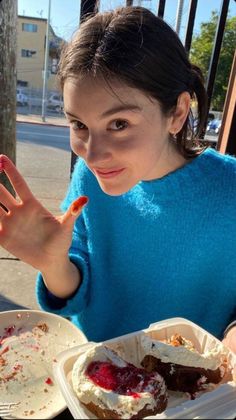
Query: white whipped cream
point(87, 391)
point(211, 359)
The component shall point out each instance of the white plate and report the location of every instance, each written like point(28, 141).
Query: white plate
point(28, 356)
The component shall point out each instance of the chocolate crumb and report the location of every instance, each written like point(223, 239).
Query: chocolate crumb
point(43, 327)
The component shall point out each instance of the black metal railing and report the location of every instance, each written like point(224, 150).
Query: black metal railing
point(91, 6)
point(190, 24)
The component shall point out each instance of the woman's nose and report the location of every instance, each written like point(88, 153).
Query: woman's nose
point(97, 150)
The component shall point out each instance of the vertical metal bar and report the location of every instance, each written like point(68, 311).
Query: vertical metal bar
point(161, 8)
point(227, 135)
point(191, 19)
point(86, 7)
point(216, 50)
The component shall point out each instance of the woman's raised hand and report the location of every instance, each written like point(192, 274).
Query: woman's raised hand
point(230, 341)
point(27, 229)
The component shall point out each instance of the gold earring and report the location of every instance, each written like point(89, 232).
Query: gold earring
point(173, 136)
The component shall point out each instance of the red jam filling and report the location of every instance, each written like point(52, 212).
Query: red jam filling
point(9, 331)
point(48, 381)
point(127, 380)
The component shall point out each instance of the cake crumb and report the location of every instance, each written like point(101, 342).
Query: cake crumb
point(43, 326)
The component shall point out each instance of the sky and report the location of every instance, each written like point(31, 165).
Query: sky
point(64, 17)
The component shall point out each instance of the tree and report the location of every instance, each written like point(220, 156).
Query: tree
point(201, 50)
point(8, 19)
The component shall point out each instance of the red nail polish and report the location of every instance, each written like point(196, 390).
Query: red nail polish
point(79, 203)
point(1, 164)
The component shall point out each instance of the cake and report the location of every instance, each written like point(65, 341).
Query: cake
point(181, 365)
point(112, 388)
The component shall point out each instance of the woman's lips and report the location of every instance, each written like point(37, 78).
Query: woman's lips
point(108, 173)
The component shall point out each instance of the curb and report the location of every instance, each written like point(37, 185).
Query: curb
point(38, 122)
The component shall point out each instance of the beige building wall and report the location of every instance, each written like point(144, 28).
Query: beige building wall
point(30, 68)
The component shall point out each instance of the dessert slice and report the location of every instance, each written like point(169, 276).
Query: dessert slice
point(111, 388)
point(181, 365)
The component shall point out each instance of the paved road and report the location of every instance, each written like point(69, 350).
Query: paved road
point(44, 135)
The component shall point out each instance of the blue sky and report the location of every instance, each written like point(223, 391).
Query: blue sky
point(65, 13)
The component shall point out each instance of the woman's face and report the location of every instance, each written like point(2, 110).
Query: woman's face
point(120, 133)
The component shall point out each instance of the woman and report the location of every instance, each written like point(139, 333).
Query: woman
point(158, 236)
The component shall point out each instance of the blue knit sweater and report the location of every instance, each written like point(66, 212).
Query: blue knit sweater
point(166, 248)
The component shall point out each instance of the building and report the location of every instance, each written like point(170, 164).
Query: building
point(31, 44)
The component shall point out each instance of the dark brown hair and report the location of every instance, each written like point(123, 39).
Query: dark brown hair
point(136, 47)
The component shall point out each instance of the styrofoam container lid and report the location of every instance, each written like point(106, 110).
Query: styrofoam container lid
point(220, 403)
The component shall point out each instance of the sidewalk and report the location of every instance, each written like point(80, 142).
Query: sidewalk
point(58, 120)
point(47, 172)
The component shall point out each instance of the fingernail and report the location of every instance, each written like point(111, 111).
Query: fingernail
point(79, 204)
point(1, 163)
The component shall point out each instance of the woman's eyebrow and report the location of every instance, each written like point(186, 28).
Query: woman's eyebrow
point(119, 108)
point(111, 111)
point(71, 115)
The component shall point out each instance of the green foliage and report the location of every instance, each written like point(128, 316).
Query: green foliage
point(201, 50)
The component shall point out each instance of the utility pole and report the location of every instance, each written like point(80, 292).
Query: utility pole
point(8, 22)
point(179, 14)
point(45, 73)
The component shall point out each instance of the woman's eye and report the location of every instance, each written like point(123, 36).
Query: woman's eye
point(118, 125)
point(77, 125)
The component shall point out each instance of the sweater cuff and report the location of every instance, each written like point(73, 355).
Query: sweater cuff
point(65, 307)
point(231, 325)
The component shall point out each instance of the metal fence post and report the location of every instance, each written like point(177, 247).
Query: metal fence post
point(191, 19)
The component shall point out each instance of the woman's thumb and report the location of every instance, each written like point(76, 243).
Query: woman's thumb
point(77, 205)
point(75, 209)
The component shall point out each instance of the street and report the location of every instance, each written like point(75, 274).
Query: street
point(44, 135)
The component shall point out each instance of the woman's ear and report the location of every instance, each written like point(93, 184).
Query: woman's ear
point(181, 112)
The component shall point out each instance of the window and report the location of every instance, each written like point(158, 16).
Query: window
point(54, 66)
point(22, 83)
point(27, 53)
point(29, 27)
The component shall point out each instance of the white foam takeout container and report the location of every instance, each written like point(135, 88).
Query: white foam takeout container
point(219, 403)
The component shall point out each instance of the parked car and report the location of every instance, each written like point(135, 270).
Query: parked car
point(35, 101)
point(55, 103)
point(210, 117)
point(21, 98)
point(214, 126)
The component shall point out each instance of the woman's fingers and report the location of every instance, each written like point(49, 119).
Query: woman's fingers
point(17, 181)
point(3, 212)
point(6, 198)
point(75, 209)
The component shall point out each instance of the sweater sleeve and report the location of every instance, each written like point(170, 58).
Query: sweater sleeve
point(78, 254)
